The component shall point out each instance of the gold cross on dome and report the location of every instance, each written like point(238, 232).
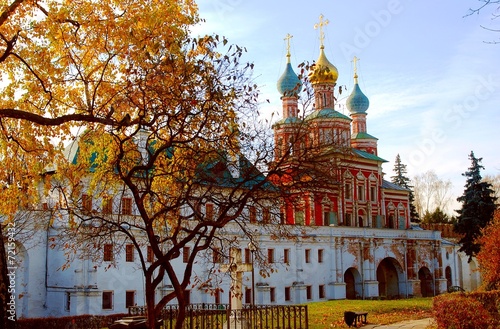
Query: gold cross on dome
point(355, 61)
point(288, 37)
point(320, 26)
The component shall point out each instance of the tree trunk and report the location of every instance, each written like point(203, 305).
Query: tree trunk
point(150, 304)
point(8, 319)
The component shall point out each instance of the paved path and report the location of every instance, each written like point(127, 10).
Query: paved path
point(411, 324)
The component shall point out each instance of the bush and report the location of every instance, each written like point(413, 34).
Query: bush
point(460, 311)
point(65, 322)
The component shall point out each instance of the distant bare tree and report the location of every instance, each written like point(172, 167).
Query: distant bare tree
point(431, 193)
point(495, 183)
point(495, 14)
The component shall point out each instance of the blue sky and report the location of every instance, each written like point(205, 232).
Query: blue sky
point(432, 81)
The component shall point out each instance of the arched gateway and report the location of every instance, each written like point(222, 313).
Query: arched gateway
point(352, 280)
point(389, 276)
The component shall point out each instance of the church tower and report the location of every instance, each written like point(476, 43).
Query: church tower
point(286, 129)
point(328, 128)
point(358, 103)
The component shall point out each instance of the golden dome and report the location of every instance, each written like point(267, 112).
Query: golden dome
point(323, 71)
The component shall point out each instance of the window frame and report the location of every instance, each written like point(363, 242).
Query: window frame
point(127, 295)
point(307, 256)
point(110, 294)
point(126, 206)
point(129, 253)
point(108, 255)
point(270, 255)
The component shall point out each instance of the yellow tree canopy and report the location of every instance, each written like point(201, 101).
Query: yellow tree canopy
point(115, 68)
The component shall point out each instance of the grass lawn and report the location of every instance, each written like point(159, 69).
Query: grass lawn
point(330, 314)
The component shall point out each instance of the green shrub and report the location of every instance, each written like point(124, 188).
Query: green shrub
point(459, 311)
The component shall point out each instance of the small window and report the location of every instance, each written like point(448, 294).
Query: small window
point(326, 218)
point(320, 255)
point(129, 253)
point(150, 255)
point(361, 192)
point(217, 297)
point(373, 194)
point(209, 211)
point(321, 291)
point(286, 256)
point(126, 206)
point(248, 296)
point(348, 219)
point(272, 294)
point(309, 292)
point(248, 257)
point(129, 298)
point(266, 215)
point(185, 254)
point(107, 300)
point(86, 203)
point(288, 295)
point(299, 218)
point(270, 255)
point(308, 255)
point(348, 194)
point(253, 214)
point(107, 205)
point(108, 253)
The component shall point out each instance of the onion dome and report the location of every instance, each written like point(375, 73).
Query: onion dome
point(357, 102)
point(323, 71)
point(289, 83)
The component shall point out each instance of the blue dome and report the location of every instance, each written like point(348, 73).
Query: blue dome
point(357, 102)
point(289, 84)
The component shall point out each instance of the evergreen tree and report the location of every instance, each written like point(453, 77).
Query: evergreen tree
point(402, 180)
point(478, 205)
point(437, 216)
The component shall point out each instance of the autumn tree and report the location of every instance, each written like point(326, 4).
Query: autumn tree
point(145, 105)
point(478, 205)
point(400, 178)
point(128, 128)
point(431, 192)
point(488, 256)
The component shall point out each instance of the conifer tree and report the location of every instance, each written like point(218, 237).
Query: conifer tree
point(402, 180)
point(478, 206)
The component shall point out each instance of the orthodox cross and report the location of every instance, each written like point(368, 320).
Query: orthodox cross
point(236, 268)
point(320, 26)
point(355, 61)
point(288, 37)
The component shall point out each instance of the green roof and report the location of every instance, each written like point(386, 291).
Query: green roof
point(368, 156)
point(363, 135)
point(289, 120)
point(327, 113)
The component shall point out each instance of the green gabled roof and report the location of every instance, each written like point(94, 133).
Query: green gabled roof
point(368, 156)
point(327, 113)
point(289, 120)
point(362, 135)
point(218, 173)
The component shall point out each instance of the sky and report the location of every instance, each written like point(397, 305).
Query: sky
point(432, 79)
